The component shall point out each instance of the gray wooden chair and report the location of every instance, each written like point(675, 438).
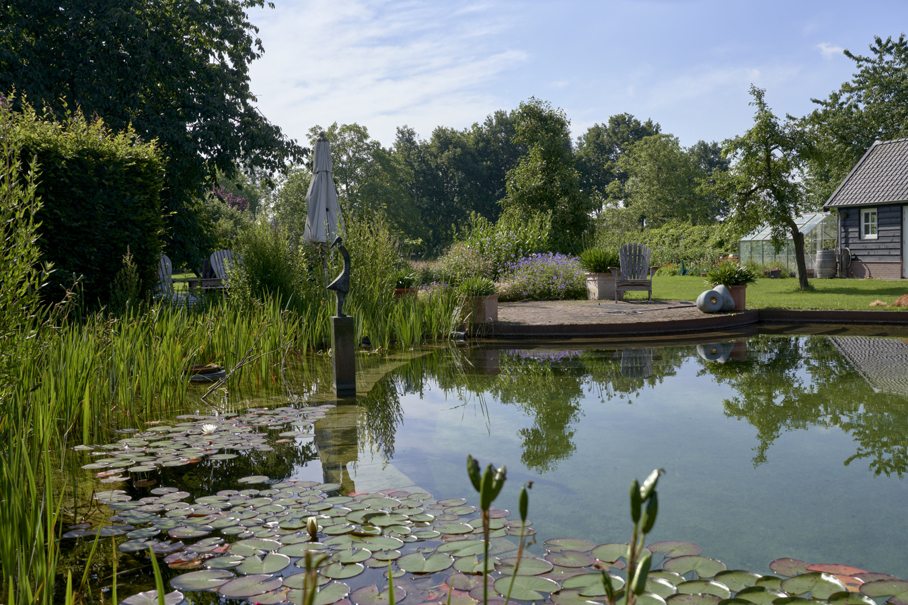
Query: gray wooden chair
point(165, 278)
point(635, 272)
point(221, 263)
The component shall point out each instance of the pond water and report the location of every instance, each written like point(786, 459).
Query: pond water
point(774, 445)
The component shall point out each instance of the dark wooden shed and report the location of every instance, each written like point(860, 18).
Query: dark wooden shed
point(872, 206)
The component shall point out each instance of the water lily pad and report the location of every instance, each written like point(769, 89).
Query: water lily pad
point(250, 586)
point(416, 563)
point(703, 566)
point(202, 580)
point(789, 567)
point(460, 510)
point(693, 599)
point(143, 533)
point(150, 597)
point(770, 582)
point(133, 546)
point(526, 588)
point(760, 595)
point(339, 571)
point(561, 544)
point(331, 593)
point(648, 598)
point(570, 558)
point(704, 587)
point(610, 552)
point(837, 570)
point(737, 579)
point(669, 576)
point(370, 595)
point(182, 533)
point(269, 564)
point(454, 529)
point(849, 598)
point(819, 584)
point(660, 586)
point(529, 566)
point(452, 502)
point(225, 562)
point(674, 548)
point(357, 555)
point(897, 590)
point(252, 480)
point(571, 597)
point(386, 555)
point(338, 530)
point(585, 580)
point(794, 601)
point(426, 534)
point(381, 543)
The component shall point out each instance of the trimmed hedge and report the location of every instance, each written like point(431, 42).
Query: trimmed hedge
point(100, 192)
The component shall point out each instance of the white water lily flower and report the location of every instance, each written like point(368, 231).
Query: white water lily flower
point(208, 429)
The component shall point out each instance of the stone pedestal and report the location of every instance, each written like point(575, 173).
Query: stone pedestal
point(343, 359)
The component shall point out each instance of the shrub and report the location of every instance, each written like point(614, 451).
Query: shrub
point(126, 289)
point(730, 274)
point(513, 237)
point(477, 286)
point(100, 192)
point(463, 261)
point(598, 260)
point(547, 276)
point(403, 278)
point(696, 245)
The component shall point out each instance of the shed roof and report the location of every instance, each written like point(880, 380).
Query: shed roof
point(880, 177)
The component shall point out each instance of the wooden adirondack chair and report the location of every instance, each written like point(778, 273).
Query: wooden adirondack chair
point(635, 272)
point(221, 262)
point(165, 277)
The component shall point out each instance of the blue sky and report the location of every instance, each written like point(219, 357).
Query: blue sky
point(686, 64)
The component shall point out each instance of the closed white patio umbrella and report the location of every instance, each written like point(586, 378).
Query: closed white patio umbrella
point(323, 217)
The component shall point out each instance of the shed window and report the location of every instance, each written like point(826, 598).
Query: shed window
point(868, 223)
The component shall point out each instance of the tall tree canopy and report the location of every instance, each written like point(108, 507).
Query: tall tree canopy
point(600, 148)
point(765, 185)
point(872, 106)
point(177, 70)
point(545, 179)
point(664, 182)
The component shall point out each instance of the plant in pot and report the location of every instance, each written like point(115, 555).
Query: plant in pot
point(404, 282)
point(735, 277)
point(480, 299)
point(600, 281)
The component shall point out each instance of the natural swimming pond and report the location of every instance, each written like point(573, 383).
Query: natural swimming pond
point(774, 445)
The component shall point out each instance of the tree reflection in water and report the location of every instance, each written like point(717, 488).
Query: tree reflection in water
point(794, 382)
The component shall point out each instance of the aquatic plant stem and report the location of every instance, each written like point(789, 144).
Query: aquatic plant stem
point(507, 597)
point(391, 586)
point(158, 580)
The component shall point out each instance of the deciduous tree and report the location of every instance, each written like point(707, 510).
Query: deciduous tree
point(176, 70)
point(765, 185)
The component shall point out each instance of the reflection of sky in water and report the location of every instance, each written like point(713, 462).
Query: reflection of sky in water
point(800, 500)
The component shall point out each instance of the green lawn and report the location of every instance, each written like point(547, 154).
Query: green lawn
point(784, 294)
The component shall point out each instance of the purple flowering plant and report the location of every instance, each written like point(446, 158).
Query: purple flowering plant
point(547, 276)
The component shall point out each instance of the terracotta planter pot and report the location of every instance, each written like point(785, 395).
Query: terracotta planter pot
point(401, 292)
point(739, 293)
point(481, 309)
point(601, 286)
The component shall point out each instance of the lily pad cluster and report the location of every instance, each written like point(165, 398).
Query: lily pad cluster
point(197, 437)
point(252, 542)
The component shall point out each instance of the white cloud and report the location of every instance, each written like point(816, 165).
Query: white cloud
point(381, 65)
point(829, 50)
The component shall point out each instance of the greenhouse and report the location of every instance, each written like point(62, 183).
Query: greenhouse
point(819, 229)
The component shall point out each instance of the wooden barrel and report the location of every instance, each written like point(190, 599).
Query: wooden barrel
point(825, 264)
